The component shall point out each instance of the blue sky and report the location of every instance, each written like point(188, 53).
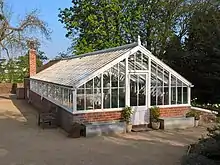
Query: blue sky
point(49, 13)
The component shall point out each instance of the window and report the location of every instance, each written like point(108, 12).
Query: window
point(89, 96)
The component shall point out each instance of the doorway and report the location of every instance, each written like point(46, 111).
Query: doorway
point(138, 98)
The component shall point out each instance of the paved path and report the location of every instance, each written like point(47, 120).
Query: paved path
point(23, 143)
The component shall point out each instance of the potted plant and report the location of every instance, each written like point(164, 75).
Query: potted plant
point(196, 115)
point(154, 117)
point(126, 116)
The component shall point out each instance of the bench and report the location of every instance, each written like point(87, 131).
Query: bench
point(176, 122)
point(49, 118)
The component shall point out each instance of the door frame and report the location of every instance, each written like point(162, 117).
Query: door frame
point(140, 110)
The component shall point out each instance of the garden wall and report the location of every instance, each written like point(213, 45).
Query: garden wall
point(6, 88)
point(174, 111)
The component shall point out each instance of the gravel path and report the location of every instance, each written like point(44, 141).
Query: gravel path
point(23, 143)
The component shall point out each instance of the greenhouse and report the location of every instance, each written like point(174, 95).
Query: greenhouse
point(109, 80)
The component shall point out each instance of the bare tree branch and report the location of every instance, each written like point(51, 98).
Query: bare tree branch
point(16, 36)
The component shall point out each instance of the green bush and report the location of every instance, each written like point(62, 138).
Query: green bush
point(193, 113)
point(154, 114)
point(206, 151)
point(126, 114)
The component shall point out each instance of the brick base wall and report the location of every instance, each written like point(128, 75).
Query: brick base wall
point(98, 116)
point(174, 111)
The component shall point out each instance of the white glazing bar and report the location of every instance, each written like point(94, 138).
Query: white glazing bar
point(84, 95)
point(102, 91)
point(182, 94)
point(127, 92)
point(176, 91)
point(156, 93)
point(163, 88)
point(93, 93)
point(118, 82)
point(189, 95)
point(110, 87)
point(146, 89)
point(169, 88)
point(149, 84)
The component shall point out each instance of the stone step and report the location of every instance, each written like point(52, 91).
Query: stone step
point(140, 128)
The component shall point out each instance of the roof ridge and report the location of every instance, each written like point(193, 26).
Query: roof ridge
point(102, 51)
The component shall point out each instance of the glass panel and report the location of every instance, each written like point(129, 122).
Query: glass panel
point(65, 102)
point(89, 99)
point(166, 95)
point(142, 90)
point(97, 82)
point(97, 98)
point(133, 90)
point(89, 84)
point(114, 98)
point(121, 97)
point(106, 98)
point(80, 99)
point(185, 100)
point(106, 79)
point(114, 74)
point(179, 83)
point(179, 95)
point(153, 96)
point(137, 90)
point(139, 61)
point(166, 78)
point(70, 99)
point(173, 81)
point(159, 95)
point(173, 95)
point(145, 62)
point(122, 74)
point(131, 62)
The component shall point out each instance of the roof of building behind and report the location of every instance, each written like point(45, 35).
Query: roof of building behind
point(70, 71)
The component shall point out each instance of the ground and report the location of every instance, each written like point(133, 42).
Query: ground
point(22, 142)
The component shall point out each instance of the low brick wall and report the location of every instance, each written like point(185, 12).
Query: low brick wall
point(174, 111)
point(98, 116)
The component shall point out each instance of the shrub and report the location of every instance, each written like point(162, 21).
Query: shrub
point(154, 114)
point(126, 114)
point(206, 151)
point(193, 113)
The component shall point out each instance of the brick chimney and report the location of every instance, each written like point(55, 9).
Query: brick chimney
point(32, 59)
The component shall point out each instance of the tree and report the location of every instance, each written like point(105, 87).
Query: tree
point(100, 24)
point(14, 70)
point(14, 37)
point(204, 53)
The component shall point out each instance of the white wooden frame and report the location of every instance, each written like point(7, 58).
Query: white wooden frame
point(125, 56)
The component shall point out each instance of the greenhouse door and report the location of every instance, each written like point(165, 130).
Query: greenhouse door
point(138, 98)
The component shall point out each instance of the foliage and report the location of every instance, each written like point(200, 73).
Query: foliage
point(14, 37)
point(14, 70)
point(154, 114)
point(184, 34)
point(207, 150)
point(193, 113)
point(197, 57)
point(126, 114)
point(94, 25)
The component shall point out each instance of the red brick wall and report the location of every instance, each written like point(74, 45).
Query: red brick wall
point(98, 116)
point(174, 111)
